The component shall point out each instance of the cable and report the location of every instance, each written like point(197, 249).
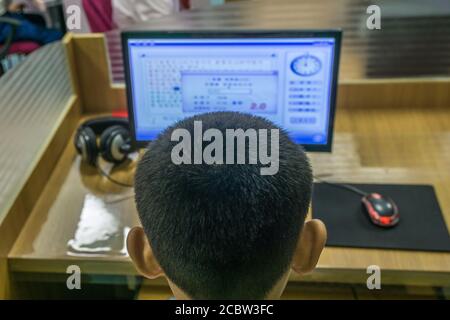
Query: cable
point(343, 186)
point(107, 176)
point(120, 199)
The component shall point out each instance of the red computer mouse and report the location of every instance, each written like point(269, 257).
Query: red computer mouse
point(382, 211)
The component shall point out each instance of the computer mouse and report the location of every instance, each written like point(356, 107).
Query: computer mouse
point(382, 211)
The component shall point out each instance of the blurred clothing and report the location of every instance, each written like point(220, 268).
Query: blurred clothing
point(129, 12)
point(99, 14)
point(28, 31)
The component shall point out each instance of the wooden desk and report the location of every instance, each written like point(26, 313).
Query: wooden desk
point(377, 145)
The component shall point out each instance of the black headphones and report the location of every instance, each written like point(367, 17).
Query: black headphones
point(115, 142)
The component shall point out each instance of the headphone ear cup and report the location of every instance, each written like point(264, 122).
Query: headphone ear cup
point(86, 145)
point(111, 141)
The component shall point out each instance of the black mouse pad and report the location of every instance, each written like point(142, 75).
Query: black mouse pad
point(421, 227)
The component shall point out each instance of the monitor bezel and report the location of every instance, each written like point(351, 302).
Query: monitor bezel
point(233, 34)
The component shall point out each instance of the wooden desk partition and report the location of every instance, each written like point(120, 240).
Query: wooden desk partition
point(99, 95)
point(40, 110)
point(387, 131)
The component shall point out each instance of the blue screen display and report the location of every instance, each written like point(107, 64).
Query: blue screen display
point(285, 80)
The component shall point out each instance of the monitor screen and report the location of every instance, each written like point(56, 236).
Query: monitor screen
point(288, 78)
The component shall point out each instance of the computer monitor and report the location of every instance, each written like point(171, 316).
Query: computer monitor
point(288, 77)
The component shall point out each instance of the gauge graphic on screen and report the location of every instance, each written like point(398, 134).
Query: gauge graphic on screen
point(306, 65)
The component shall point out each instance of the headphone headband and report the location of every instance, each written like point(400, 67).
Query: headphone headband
point(99, 125)
point(114, 142)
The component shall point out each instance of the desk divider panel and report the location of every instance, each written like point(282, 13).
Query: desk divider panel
point(38, 109)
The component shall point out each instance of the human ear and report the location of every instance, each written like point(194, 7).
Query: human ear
point(309, 246)
point(142, 255)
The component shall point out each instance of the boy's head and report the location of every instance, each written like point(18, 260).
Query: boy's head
point(224, 231)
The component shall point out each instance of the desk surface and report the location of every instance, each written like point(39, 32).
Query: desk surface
point(375, 146)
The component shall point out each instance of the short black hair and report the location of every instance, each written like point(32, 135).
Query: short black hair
point(223, 231)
